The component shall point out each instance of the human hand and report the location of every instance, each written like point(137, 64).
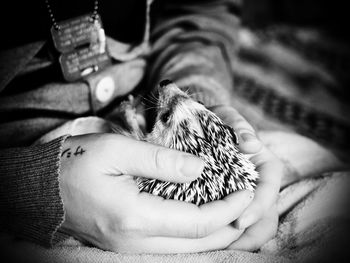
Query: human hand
point(260, 218)
point(103, 205)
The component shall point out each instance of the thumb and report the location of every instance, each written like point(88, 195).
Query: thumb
point(158, 162)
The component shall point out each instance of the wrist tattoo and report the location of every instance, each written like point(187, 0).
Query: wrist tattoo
point(69, 153)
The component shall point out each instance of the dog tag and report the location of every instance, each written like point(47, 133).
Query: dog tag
point(81, 42)
point(75, 32)
point(83, 61)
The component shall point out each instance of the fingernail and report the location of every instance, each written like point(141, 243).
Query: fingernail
point(250, 196)
point(248, 137)
point(190, 166)
point(244, 221)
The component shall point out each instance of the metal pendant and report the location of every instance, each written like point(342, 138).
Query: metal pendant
point(81, 42)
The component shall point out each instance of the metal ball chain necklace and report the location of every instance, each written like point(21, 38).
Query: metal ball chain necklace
point(53, 19)
point(80, 42)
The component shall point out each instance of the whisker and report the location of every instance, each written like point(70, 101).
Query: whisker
point(154, 97)
point(150, 100)
point(150, 108)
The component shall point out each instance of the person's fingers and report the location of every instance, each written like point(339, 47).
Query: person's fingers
point(258, 234)
point(248, 141)
point(220, 239)
point(180, 219)
point(266, 192)
point(157, 162)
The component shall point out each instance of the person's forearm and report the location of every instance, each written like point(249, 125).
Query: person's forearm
point(193, 45)
point(30, 202)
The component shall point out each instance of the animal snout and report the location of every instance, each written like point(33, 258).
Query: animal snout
point(168, 90)
point(165, 83)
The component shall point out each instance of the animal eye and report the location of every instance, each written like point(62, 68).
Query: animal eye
point(200, 102)
point(165, 116)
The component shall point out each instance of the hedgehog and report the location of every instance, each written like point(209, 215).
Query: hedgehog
point(187, 125)
point(183, 124)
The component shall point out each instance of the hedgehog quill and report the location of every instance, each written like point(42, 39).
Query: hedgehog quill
point(186, 125)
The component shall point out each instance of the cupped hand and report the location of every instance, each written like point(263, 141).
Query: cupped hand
point(260, 219)
point(104, 207)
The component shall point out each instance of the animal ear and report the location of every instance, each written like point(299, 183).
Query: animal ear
point(233, 134)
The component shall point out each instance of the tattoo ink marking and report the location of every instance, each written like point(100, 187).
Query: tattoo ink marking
point(66, 151)
point(78, 151)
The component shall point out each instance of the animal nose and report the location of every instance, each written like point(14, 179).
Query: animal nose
point(167, 86)
point(168, 90)
point(165, 83)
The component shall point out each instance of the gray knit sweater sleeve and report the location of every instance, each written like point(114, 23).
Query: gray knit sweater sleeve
point(30, 202)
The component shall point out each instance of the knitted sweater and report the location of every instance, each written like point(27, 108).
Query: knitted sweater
point(29, 194)
point(190, 42)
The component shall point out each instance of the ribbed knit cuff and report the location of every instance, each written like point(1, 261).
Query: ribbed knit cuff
point(30, 202)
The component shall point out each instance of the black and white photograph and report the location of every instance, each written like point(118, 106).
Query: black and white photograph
point(169, 131)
